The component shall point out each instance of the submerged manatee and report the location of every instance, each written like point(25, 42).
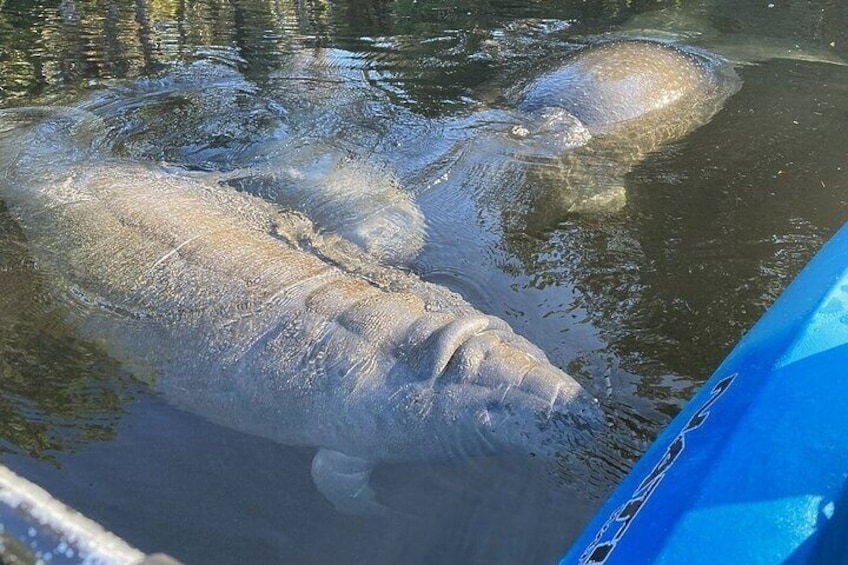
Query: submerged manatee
point(631, 97)
point(206, 116)
point(608, 86)
point(360, 201)
point(210, 291)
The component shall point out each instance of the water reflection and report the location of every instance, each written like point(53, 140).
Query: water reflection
point(424, 49)
point(56, 392)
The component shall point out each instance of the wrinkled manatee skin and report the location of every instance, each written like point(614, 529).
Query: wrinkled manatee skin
point(243, 321)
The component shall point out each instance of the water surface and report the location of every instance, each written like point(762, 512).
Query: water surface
point(640, 304)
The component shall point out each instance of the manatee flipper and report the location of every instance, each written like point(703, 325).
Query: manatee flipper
point(344, 481)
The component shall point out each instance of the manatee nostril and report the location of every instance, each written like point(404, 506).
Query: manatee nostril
point(500, 407)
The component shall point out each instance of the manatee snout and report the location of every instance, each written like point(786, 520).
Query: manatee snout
point(523, 403)
point(546, 413)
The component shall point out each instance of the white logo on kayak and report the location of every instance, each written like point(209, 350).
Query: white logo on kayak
point(606, 539)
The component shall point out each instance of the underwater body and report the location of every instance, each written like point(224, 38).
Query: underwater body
point(477, 189)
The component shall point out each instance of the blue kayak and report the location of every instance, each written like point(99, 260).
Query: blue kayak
point(755, 468)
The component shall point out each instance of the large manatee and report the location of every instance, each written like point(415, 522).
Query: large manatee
point(240, 317)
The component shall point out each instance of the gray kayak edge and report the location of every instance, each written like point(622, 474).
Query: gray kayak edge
point(37, 528)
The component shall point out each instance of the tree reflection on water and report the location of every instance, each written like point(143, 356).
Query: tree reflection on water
point(56, 392)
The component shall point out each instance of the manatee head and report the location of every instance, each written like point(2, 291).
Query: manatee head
point(530, 405)
point(489, 391)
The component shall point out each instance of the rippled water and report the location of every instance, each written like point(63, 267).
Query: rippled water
point(639, 304)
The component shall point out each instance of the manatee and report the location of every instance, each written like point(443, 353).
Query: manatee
point(207, 117)
point(631, 97)
point(609, 85)
point(361, 201)
point(239, 316)
point(632, 92)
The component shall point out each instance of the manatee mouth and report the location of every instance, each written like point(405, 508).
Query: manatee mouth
point(572, 400)
point(567, 425)
point(579, 417)
point(566, 417)
point(523, 403)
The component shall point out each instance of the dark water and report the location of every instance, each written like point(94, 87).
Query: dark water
point(640, 305)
